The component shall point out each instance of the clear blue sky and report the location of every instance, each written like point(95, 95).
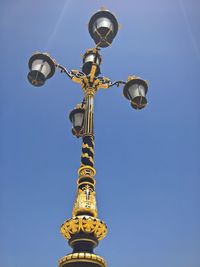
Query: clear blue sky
point(147, 161)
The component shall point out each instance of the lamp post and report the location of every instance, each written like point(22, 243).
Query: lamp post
point(84, 229)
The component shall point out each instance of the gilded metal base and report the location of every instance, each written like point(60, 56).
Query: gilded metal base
point(82, 260)
point(85, 224)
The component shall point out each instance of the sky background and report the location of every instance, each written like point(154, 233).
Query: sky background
point(147, 161)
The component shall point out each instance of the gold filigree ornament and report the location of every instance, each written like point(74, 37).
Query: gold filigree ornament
point(82, 257)
point(86, 224)
point(85, 202)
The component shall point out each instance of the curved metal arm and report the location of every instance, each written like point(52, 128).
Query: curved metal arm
point(104, 82)
point(72, 73)
point(117, 83)
point(63, 69)
point(109, 83)
point(80, 75)
point(77, 73)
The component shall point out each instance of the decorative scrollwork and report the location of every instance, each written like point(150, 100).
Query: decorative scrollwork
point(83, 79)
point(86, 224)
point(63, 69)
point(77, 73)
point(117, 83)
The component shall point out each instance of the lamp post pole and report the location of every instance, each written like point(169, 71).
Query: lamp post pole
point(84, 229)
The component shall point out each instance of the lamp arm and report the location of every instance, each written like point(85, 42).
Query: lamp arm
point(71, 74)
point(117, 83)
point(104, 82)
point(77, 74)
point(64, 70)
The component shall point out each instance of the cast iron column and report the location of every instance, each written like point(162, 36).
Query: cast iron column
point(84, 229)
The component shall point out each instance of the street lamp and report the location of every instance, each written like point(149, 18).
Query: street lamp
point(103, 28)
point(76, 116)
point(90, 58)
point(135, 90)
point(84, 229)
point(41, 67)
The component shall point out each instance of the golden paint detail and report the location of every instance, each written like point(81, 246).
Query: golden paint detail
point(92, 72)
point(82, 257)
point(101, 83)
point(86, 224)
point(89, 113)
point(130, 78)
point(96, 84)
point(85, 155)
point(92, 185)
point(85, 202)
point(89, 91)
point(89, 147)
point(103, 8)
point(93, 50)
point(86, 171)
point(79, 105)
point(77, 80)
point(119, 26)
point(103, 86)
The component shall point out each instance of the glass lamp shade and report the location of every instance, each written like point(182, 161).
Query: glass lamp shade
point(135, 90)
point(41, 67)
point(77, 117)
point(103, 27)
point(89, 59)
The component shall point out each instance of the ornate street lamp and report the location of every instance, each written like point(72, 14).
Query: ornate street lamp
point(91, 58)
point(103, 27)
point(135, 90)
point(76, 116)
point(84, 229)
point(41, 67)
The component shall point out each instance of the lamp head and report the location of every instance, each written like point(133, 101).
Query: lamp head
point(41, 67)
point(103, 27)
point(135, 90)
point(90, 58)
point(76, 116)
